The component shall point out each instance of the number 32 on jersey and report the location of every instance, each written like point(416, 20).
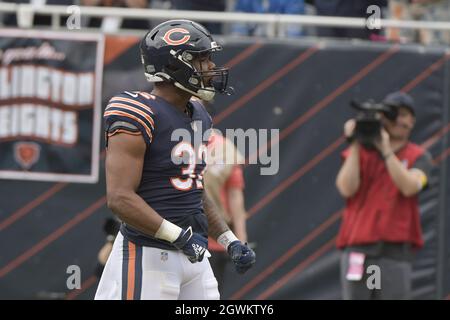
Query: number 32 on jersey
point(184, 153)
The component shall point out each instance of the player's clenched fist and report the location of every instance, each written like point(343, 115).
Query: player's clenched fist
point(192, 244)
point(242, 256)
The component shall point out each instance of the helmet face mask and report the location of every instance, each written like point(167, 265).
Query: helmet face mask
point(212, 79)
point(176, 51)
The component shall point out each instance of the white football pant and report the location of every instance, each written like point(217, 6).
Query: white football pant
point(136, 272)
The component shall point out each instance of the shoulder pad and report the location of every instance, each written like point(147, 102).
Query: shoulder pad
point(129, 107)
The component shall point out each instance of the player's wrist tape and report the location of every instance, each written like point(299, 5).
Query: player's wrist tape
point(168, 231)
point(226, 238)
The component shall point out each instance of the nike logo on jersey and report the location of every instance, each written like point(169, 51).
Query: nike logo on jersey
point(134, 95)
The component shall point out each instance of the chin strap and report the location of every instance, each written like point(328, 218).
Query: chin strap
point(203, 94)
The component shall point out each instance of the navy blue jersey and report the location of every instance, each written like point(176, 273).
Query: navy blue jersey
point(172, 176)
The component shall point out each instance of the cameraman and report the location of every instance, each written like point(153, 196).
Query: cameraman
point(381, 223)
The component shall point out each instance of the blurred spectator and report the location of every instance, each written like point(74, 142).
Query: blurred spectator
point(288, 7)
point(111, 24)
point(202, 5)
point(347, 8)
point(10, 20)
point(426, 10)
point(248, 29)
point(224, 182)
point(269, 6)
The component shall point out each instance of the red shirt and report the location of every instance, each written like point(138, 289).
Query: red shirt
point(235, 180)
point(378, 211)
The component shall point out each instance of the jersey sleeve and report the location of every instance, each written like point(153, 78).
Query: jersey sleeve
point(425, 164)
point(127, 107)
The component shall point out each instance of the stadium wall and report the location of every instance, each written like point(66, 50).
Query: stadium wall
point(303, 88)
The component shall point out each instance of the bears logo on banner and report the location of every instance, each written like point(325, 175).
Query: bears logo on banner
point(26, 154)
point(50, 105)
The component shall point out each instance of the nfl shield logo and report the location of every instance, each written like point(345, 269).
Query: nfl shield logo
point(26, 154)
point(164, 255)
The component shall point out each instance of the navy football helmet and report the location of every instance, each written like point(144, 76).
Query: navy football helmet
point(168, 52)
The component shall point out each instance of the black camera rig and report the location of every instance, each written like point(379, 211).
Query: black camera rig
point(368, 120)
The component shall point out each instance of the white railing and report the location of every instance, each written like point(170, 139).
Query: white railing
point(273, 22)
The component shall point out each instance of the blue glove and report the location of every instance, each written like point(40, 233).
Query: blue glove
point(192, 244)
point(242, 256)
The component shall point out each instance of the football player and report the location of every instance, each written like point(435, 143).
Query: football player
point(155, 182)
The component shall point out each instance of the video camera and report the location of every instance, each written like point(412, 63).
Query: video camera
point(368, 120)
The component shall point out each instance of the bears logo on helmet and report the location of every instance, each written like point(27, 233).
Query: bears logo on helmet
point(167, 36)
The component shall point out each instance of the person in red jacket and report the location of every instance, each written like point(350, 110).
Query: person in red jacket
point(381, 227)
point(224, 183)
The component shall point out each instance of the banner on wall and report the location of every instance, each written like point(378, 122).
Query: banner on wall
point(50, 105)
